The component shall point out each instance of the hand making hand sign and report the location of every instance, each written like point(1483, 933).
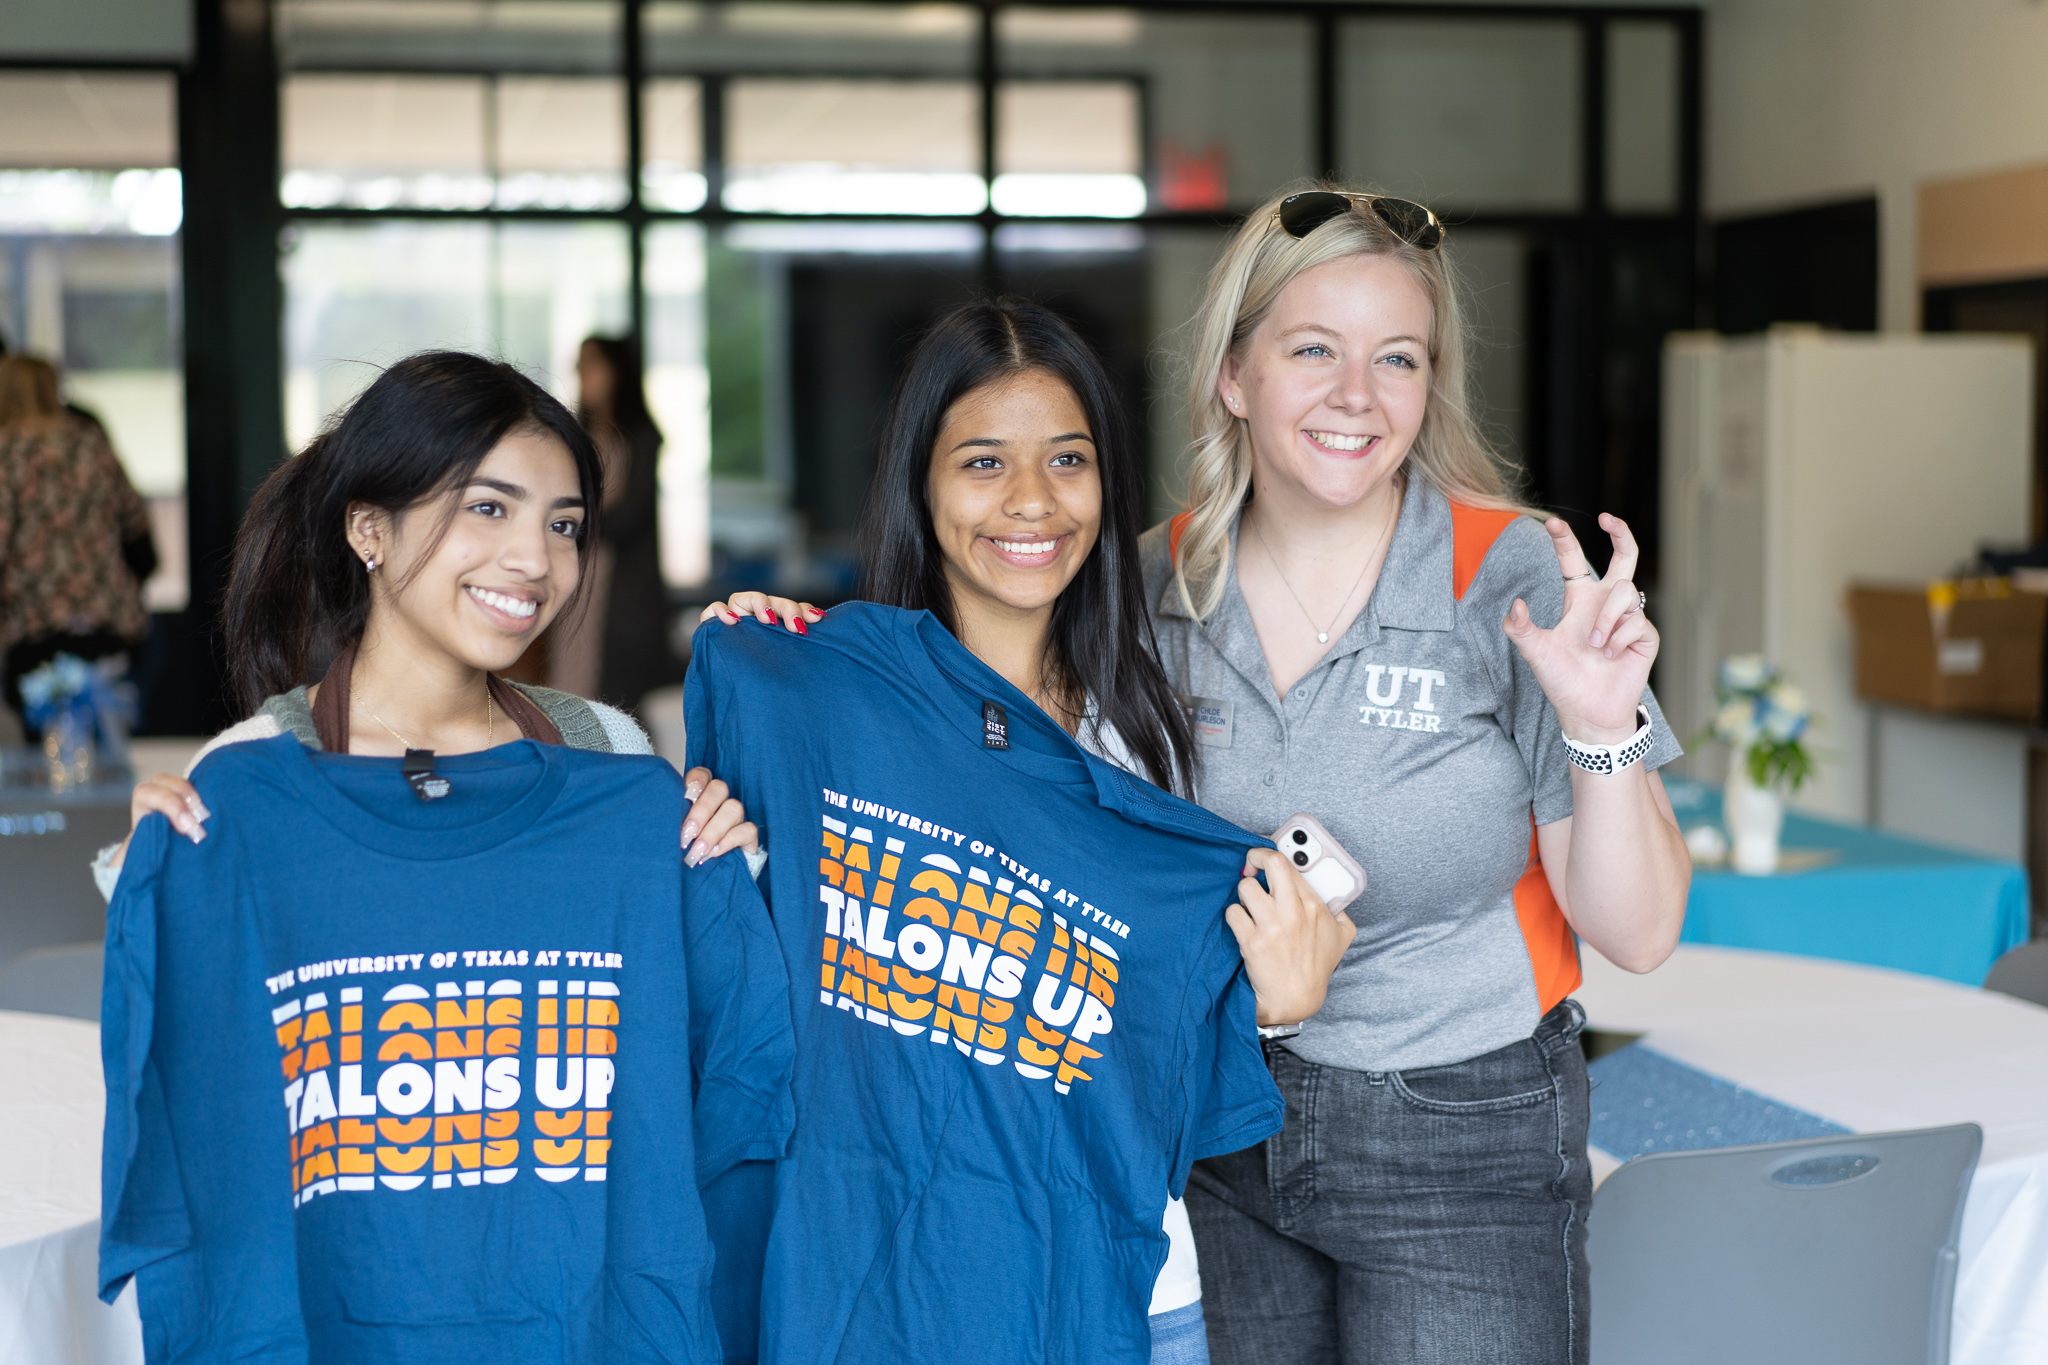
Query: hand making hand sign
point(1595, 663)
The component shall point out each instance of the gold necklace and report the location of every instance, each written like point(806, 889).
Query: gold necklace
point(1323, 634)
point(490, 720)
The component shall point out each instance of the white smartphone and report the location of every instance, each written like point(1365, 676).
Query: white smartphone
point(1333, 874)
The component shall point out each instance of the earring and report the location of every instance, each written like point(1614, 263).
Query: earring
point(370, 564)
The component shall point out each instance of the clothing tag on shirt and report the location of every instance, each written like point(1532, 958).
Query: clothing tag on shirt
point(1210, 720)
point(995, 726)
point(419, 770)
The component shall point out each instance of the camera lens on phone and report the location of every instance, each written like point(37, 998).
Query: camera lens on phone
point(1300, 858)
point(1301, 836)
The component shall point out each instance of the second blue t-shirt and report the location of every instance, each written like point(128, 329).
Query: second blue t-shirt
point(1019, 1014)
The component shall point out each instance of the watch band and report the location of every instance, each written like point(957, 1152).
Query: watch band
point(1273, 1031)
point(1608, 759)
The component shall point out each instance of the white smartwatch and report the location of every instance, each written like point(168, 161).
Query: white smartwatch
point(1607, 759)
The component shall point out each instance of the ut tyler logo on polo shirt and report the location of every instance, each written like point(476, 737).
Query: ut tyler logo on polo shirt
point(1385, 690)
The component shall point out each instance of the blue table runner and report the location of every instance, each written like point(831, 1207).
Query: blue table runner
point(1644, 1102)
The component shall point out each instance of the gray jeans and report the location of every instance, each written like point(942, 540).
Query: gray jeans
point(1427, 1217)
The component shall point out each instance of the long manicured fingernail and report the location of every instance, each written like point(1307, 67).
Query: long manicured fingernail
point(690, 828)
point(699, 851)
point(801, 628)
point(692, 790)
point(731, 619)
point(771, 617)
point(198, 836)
point(820, 611)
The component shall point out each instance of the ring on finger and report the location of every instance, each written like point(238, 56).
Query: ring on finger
point(1642, 603)
point(1575, 577)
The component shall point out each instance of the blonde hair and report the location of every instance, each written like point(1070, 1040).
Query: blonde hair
point(1262, 259)
point(28, 390)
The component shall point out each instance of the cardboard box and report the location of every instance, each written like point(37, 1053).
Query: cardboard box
point(1967, 646)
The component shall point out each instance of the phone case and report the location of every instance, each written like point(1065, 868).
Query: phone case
point(1333, 874)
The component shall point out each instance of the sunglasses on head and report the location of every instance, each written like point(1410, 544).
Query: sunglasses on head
point(1301, 214)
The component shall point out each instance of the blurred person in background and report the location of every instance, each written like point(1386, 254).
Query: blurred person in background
point(75, 542)
point(618, 648)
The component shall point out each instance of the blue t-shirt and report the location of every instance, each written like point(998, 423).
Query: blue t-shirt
point(406, 1081)
point(1019, 1014)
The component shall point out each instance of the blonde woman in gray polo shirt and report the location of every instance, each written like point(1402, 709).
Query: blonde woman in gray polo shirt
point(1372, 631)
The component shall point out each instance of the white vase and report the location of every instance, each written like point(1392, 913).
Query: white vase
point(1754, 816)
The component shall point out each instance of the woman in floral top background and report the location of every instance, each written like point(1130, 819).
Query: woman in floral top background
point(74, 533)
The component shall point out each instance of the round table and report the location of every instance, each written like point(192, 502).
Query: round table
point(52, 1099)
point(1875, 1050)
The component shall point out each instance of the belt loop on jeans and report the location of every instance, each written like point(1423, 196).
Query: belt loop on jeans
point(1375, 1078)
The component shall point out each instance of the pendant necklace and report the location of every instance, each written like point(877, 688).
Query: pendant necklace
point(1322, 633)
point(490, 721)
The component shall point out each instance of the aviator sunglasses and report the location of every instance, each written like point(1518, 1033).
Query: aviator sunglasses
point(1302, 214)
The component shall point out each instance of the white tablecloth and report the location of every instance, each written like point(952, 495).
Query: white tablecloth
point(1876, 1050)
point(51, 1103)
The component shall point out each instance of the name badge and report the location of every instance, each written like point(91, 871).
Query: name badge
point(1210, 719)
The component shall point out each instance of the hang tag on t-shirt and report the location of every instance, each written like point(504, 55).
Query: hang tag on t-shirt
point(995, 726)
point(419, 770)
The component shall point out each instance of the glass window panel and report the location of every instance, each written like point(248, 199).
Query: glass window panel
point(1177, 266)
point(853, 146)
point(72, 120)
point(379, 142)
point(672, 129)
point(361, 295)
point(762, 35)
point(443, 35)
point(1462, 114)
point(90, 205)
point(1227, 97)
point(1069, 148)
point(453, 142)
point(560, 142)
point(1493, 272)
point(679, 392)
point(1642, 116)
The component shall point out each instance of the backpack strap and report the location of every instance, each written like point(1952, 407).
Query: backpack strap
point(1553, 947)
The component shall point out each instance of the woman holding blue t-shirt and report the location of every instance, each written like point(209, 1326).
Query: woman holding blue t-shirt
point(421, 543)
point(1005, 502)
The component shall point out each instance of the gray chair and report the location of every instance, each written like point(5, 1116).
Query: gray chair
point(1825, 1249)
point(2023, 972)
point(61, 980)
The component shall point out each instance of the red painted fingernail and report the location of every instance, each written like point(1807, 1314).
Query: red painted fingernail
point(771, 617)
point(801, 628)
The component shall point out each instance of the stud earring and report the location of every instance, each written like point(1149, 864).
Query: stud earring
point(370, 564)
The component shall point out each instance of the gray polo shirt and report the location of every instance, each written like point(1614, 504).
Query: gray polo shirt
point(1423, 743)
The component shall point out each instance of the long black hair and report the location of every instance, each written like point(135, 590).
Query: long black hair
point(298, 594)
point(1102, 647)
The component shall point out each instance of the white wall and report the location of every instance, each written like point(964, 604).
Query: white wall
point(1809, 100)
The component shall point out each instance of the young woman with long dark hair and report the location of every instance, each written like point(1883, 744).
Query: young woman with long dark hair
point(411, 552)
point(1005, 501)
